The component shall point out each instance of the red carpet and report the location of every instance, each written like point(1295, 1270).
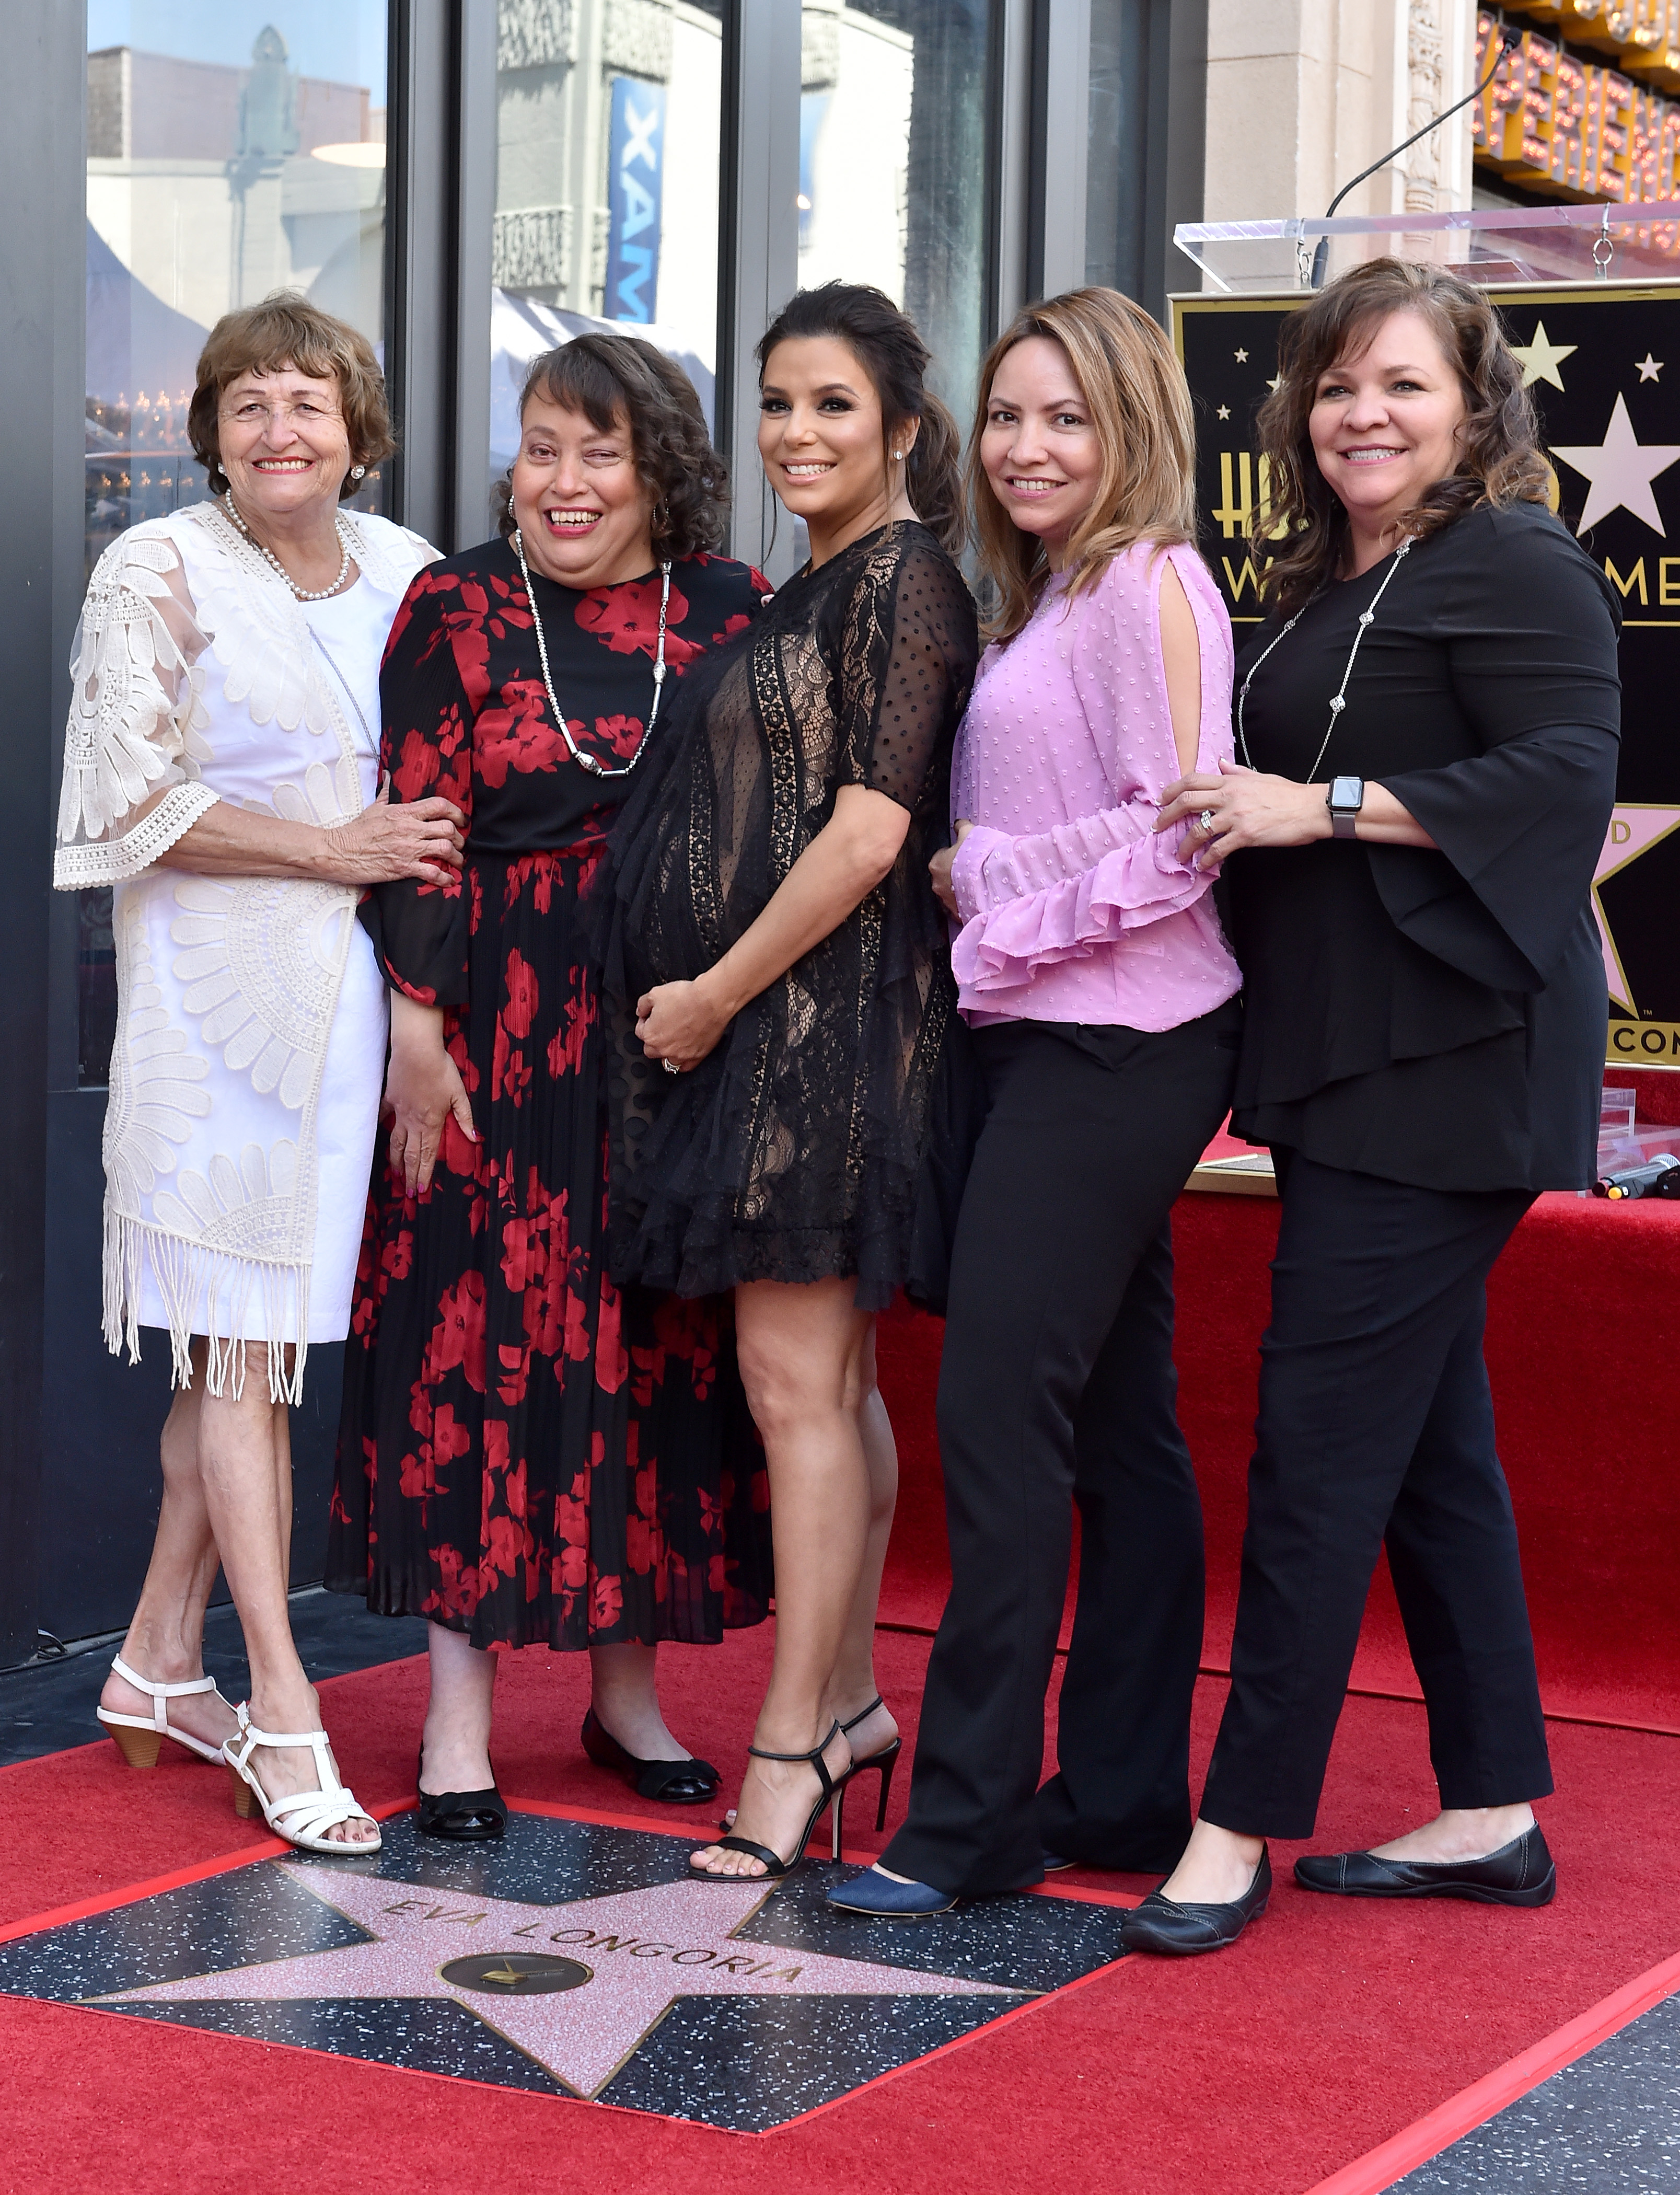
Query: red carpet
point(1331, 2030)
point(1334, 2026)
point(1583, 1322)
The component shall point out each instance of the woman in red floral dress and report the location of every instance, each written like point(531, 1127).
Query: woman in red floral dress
point(527, 1453)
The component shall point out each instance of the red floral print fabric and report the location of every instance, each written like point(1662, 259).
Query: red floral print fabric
point(527, 1452)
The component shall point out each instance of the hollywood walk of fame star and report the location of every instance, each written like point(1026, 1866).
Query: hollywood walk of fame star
point(1633, 831)
point(1650, 369)
point(641, 1950)
point(1541, 358)
point(1620, 470)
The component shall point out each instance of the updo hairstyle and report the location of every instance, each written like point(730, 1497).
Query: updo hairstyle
point(885, 343)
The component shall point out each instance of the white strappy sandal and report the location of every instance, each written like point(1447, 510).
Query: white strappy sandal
point(304, 1818)
point(138, 1740)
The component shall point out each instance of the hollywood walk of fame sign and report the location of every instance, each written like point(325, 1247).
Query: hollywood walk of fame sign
point(1601, 362)
point(576, 1959)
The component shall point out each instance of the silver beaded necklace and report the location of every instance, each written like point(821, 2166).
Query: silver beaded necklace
point(304, 593)
point(1339, 698)
point(588, 761)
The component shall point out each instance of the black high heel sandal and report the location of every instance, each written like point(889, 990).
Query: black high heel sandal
point(775, 1865)
point(460, 1817)
point(882, 1762)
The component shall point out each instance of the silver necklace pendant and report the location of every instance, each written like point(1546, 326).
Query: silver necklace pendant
point(1338, 701)
point(586, 761)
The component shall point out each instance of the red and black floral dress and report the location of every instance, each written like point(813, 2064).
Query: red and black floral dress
point(527, 1452)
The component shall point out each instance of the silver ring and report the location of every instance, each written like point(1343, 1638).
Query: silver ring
point(1205, 819)
point(670, 1067)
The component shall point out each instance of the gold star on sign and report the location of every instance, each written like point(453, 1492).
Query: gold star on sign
point(1649, 367)
point(1542, 358)
point(1240, 356)
point(1224, 411)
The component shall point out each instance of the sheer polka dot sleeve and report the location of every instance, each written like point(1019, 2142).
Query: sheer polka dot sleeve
point(907, 658)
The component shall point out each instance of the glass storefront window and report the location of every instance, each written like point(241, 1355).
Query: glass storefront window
point(608, 146)
point(1127, 37)
point(235, 148)
point(892, 165)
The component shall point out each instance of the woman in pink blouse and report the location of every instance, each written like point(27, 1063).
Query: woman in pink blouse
point(1102, 997)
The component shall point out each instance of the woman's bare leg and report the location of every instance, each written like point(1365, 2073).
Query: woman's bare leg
point(457, 1738)
point(855, 1682)
point(244, 1468)
point(625, 1693)
point(802, 1351)
point(166, 1638)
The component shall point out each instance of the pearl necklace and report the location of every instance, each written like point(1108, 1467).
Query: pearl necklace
point(1339, 700)
point(304, 593)
point(588, 762)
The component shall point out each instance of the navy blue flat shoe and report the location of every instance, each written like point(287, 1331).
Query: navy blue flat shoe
point(884, 1899)
point(1054, 1862)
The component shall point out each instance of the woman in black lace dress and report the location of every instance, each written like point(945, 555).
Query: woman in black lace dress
point(778, 990)
point(527, 1453)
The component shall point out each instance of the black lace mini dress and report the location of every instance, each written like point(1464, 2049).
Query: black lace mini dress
point(791, 1152)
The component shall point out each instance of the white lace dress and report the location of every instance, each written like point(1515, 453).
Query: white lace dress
point(250, 1025)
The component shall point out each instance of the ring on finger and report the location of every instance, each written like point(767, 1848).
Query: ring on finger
point(1205, 819)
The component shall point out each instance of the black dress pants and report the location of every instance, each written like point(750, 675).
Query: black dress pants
point(1058, 1382)
point(1377, 1426)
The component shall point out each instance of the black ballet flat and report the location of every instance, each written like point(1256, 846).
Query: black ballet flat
point(1520, 1873)
point(675, 1782)
point(460, 1817)
point(1162, 1925)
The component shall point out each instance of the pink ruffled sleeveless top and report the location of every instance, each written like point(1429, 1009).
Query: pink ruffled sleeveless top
point(1072, 908)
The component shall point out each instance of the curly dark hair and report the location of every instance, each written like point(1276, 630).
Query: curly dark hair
point(885, 343)
point(612, 378)
point(1300, 524)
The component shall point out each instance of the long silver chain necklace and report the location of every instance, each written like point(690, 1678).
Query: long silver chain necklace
point(304, 593)
point(1339, 700)
point(588, 761)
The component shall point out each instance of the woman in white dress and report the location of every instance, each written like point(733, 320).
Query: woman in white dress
point(220, 769)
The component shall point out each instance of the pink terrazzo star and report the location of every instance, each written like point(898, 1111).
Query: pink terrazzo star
point(645, 1948)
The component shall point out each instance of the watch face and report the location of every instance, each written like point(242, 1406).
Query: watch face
point(1346, 792)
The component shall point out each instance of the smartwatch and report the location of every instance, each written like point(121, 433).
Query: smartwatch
point(1344, 799)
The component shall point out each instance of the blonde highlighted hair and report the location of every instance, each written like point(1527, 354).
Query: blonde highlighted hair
point(1139, 404)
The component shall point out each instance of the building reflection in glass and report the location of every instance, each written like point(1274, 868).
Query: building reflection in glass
point(892, 158)
point(608, 142)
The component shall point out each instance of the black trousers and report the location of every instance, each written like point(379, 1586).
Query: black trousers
point(1377, 1426)
point(1057, 1382)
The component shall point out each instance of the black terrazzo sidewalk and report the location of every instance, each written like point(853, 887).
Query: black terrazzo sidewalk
point(48, 1706)
point(1609, 2122)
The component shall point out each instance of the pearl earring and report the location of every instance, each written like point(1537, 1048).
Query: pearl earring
point(356, 471)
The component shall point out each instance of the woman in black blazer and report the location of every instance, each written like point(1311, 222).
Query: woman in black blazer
point(1428, 725)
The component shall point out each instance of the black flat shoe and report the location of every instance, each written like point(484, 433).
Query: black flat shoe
point(1520, 1873)
point(461, 1817)
point(1161, 1924)
point(676, 1783)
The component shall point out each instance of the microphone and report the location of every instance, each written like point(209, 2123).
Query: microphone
point(1659, 1177)
point(1508, 43)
